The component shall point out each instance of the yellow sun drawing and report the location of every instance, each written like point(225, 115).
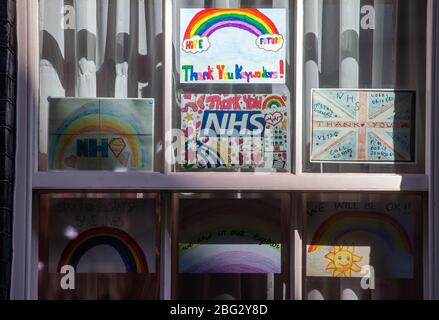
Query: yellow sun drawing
point(343, 261)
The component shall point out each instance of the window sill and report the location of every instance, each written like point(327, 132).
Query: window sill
point(202, 181)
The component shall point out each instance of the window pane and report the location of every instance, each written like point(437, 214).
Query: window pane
point(110, 241)
point(237, 249)
point(232, 109)
point(100, 49)
point(363, 246)
point(364, 86)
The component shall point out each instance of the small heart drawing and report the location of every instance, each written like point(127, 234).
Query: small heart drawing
point(274, 118)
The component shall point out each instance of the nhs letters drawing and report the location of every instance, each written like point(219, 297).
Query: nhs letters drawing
point(232, 45)
point(363, 126)
point(101, 134)
point(245, 131)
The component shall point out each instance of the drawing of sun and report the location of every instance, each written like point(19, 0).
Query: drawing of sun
point(343, 261)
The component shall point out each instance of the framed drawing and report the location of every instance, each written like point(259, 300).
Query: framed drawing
point(101, 134)
point(232, 45)
point(106, 235)
point(235, 130)
point(363, 126)
point(345, 238)
point(99, 245)
point(234, 240)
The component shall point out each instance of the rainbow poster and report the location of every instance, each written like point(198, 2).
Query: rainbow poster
point(345, 237)
point(230, 258)
point(130, 252)
point(101, 134)
point(102, 235)
point(229, 240)
point(233, 45)
point(233, 250)
point(235, 131)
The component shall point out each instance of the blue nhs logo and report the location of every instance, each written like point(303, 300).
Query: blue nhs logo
point(232, 123)
point(89, 148)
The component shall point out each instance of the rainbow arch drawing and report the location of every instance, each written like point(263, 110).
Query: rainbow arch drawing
point(91, 119)
point(231, 258)
point(208, 21)
point(225, 252)
point(128, 249)
point(273, 102)
point(382, 225)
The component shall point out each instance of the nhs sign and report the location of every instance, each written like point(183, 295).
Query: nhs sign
point(89, 148)
point(232, 123)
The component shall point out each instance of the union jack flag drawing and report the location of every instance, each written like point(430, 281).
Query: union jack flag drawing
point(363, 126)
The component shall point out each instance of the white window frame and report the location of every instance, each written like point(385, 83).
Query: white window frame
point(28, 178)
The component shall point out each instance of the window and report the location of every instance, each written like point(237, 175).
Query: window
point(95, 50)
point(233, 102)
point(233, 246)
point(182, 124)
point(363, 246)
point(364, 86)
point(110, 241)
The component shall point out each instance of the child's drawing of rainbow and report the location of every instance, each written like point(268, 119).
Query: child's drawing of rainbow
point(130, 252)
point(91, 119)
point(226, 253)
point(208, 21)
point(273, 102)
point(230, 241)
point(230, 258)
point(385, 227)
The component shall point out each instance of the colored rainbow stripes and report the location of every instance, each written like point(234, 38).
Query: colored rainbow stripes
point(208, 21)
point(130, 252)
point(91, 119)
point(387, 228)
point(231, 258)
point(223, 251)
point(273, 102)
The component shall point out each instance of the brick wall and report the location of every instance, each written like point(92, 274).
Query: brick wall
point(7, 143)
